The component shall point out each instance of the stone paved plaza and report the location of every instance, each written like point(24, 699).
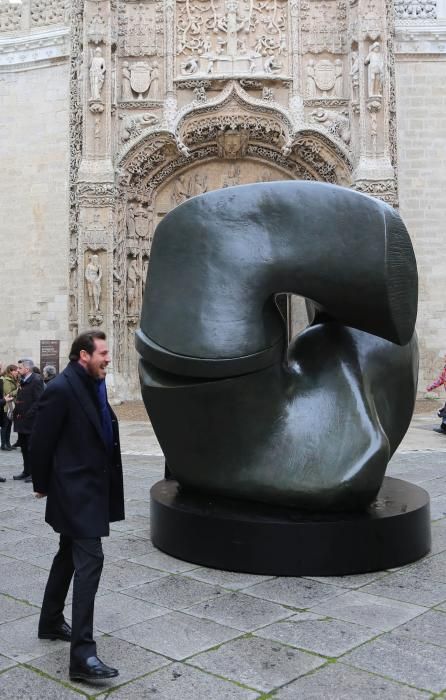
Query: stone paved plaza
point(177, 631)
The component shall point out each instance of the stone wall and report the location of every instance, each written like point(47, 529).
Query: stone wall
point(421, 87)
point(34, 153)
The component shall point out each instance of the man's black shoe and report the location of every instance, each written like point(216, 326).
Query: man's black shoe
point(92, 669)
point(2, 479)
point(14, 446)
point(439, 430)
point(20, 476)
point(5, 448)
point(62, 632)
point(29, 480)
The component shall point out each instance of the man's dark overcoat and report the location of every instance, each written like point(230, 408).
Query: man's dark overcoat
point(26, 402)
point(71, 462)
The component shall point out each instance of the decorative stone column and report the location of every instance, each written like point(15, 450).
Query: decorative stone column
point(371, 77)
point(95, 186)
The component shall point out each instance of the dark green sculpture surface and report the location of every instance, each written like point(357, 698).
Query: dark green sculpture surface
point(236, 412)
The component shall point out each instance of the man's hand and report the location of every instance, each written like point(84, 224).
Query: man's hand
point(39, 495)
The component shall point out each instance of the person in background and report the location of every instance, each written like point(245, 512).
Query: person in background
point(440, 381)
point(29, 392)
point(10, 385)
point(49, 373)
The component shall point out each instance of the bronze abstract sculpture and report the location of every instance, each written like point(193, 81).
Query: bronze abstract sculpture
point(237, 415)
point(241, 418)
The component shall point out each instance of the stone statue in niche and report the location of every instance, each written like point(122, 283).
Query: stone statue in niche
point(126, 90)
point(354, 74)
point(93, 276)
point(339, 78)
point(153, 93)
point(131, 226)
point(97, 74)
point(133, 277)
point(310, 82)
point(145, 267)
point(375, 63)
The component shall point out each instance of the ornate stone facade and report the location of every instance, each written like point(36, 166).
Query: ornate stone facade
point(170, 98)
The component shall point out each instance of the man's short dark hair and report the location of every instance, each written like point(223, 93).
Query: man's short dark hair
point(85, 341)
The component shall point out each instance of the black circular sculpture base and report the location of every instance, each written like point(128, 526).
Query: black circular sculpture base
point(256, 538)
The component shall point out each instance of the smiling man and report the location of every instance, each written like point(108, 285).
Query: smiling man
point(76, 462)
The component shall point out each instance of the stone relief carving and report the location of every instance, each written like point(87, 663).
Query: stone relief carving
point(323, 26)
point(10, 16)
point(134, 126)
point(140, 29)
point(324, 79)
point(43, 12)
point(97, 31)
point(420, 9)
point(133, 284)
point(229, 37)
point(336, 123)
point(232, 143)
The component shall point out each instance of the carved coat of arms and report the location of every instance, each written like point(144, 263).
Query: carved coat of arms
point(325, 75)
point(140, 77)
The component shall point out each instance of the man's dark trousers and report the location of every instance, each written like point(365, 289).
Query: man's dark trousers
point(23, 440)
point(84, 558)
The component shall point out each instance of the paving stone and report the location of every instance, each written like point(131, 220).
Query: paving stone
point(8, 536)
point(353, 581)
point(131, 522)
point(322, 636)
point(130, 660)
point(433, 568)
point(114, 610)
point(243, 612)
point(430, 627)
point(180, 682)
point(18, 640)
point(11, 609)
point(339, 682)
point(258, 663)
point(121, 574)
point(175, 592)
point(406, 586)
point(403, 659)
point(438, 537)
point(6, 663)
point(296, 592)
point(164, 562)
point(380, 614)
point(23, 684)
point(438, 507)
point(227, 579)
point(39, 551)
point(123, 547)
point(23, 581)
point(177, 635)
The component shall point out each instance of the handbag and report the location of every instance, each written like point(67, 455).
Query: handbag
point(10, 410)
